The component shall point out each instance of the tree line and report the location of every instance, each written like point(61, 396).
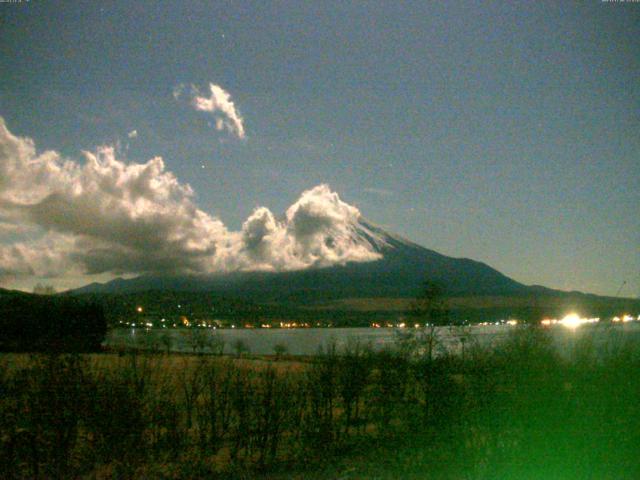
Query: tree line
point(39, 323)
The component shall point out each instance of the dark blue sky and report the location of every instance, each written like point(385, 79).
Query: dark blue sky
point(505, 132)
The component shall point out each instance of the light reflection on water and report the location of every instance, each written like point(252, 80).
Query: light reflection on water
point(307, 341)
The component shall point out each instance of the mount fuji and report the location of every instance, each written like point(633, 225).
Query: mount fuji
point(400, 271)
point(476, 291)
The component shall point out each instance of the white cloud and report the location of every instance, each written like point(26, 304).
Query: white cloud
point(105, 215)
point(133, 134)
point(318, 230)
point(47, 257)
point(7, 228)
point(218, 103)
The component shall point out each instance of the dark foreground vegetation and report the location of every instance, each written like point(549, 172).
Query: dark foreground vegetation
point(43, 323)
point(519, 410)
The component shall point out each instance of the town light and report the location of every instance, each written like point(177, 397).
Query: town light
point(573, 320)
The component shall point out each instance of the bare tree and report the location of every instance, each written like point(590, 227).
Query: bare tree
point(279, 349)
point(198, 339)
point(166, 342)
point(41, 289)
point(240, 347)
point(431, 309)
point(217, 344)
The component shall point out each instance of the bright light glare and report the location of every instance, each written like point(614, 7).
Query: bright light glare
point(573, 320)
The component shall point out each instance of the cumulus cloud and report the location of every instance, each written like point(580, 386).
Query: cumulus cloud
point(318, 230)
point(47, 257)
point(219, 103)
point(106, 215)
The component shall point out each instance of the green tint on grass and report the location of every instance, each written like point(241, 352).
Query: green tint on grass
point(521, 410)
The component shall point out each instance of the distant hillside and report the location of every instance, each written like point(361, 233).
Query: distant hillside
point(4, 293)
point(477, 292)
point(400, 273)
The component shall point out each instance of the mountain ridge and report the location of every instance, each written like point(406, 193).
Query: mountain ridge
point(356, 292)
point(401, 271)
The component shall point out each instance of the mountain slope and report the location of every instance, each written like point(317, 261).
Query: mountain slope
point(400, 272)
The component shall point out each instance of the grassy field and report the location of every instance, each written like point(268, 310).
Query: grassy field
point(518, 411)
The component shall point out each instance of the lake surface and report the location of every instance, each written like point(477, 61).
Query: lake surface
point(307, 341)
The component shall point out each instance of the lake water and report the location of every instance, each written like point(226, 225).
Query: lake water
point(307, 341)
